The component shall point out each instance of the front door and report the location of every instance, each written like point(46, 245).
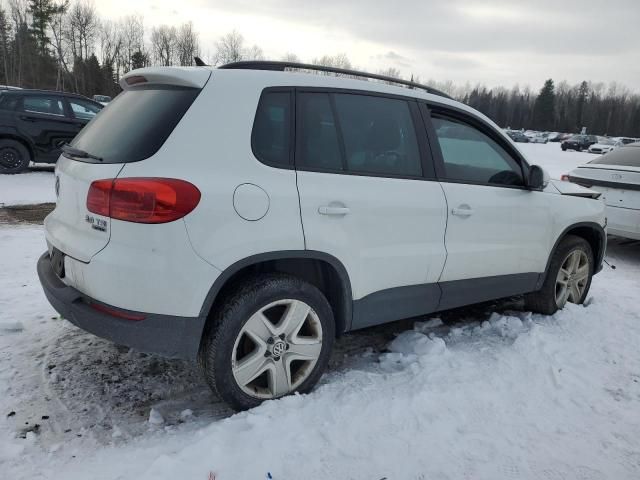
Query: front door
point(497, 229)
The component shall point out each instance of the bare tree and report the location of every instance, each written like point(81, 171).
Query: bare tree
point(132, 32)
point(253, 53)
point(110, 41)
point(83, 28)
point(229, 48)
point(163, 44)
point(291, 57)
point(187, 44)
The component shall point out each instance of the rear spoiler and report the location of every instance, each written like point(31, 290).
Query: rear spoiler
point(194, 77)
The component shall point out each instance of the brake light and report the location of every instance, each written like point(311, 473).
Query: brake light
point(135, 79)
point(564, 177)
point(142, 200)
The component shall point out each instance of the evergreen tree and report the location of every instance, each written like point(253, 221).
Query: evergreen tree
point(543, 110)
point(42, 11)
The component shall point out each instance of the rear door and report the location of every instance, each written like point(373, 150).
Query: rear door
point(497, 230)
point(367, 197)
point(44, 119)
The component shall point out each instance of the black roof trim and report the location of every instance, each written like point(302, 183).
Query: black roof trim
point(282, 66)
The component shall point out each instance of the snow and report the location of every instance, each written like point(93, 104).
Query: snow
point(551, 157)
point(34, 186)
point(491, 392)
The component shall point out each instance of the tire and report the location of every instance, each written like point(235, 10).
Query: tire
point(546, 299)
point(564, 149)
point(14, 156)
point(243, 357)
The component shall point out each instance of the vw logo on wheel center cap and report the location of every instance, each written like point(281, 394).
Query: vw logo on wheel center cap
point(279, 348)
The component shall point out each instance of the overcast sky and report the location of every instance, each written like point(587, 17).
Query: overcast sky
point(503, 43)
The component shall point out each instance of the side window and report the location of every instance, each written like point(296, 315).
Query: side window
point(43, 104)
point(271, 136)
point(318, 146)
point(8, 102)
point(379, 136)
point(83, 110)
point(469, 155)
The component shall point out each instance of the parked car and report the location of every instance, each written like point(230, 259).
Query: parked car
point(34, 124)
point(561, 137)
point(518, 136)
point(102, 99)
point(626, 140)
point(617, 176)
point(537, 137)
point(231, 235)
point(578, 142)
point(605, 145)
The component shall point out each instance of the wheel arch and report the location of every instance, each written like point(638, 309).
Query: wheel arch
point(593, 233)
point(324, 271)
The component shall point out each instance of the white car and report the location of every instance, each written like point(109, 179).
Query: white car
point(247, 215)
point(617, 176)
point(605, 145)
point(537, 137)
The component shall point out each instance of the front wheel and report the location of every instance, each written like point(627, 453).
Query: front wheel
point(273, 336)
point(568, 277)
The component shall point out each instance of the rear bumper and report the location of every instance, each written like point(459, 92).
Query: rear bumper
point(166, 335)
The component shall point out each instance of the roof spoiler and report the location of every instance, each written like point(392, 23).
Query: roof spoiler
point(177, 76)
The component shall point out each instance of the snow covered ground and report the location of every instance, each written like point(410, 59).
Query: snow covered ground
point(491, 393)
point(34, 186)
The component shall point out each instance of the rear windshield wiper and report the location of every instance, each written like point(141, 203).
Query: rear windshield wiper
point(77, 153)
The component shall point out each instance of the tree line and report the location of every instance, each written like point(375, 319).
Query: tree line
point(65, 45)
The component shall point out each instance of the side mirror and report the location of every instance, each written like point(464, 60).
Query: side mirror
point(538, 178)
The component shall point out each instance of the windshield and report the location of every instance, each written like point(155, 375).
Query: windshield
point(606, 141)
point(136, 123)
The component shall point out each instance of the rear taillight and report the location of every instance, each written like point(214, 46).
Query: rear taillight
point(564, 178)
point(142, 200)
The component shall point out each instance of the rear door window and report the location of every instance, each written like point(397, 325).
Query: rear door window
point(378, 134)
point(360, 134)
point(136, 124)
point(43, 104)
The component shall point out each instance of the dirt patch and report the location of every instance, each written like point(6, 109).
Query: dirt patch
point(16, 214)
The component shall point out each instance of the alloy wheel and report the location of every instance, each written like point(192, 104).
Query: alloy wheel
point(277, 349)
point(572, 278)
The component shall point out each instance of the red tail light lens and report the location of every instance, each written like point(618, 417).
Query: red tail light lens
point(143, 200)
point(564, 177)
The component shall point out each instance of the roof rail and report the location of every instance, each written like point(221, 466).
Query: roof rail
point(282, 66)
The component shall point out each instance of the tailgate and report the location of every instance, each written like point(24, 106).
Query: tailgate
point(620, 186)
point(71, 228)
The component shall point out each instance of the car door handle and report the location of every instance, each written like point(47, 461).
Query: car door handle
point(330, 210)
point(462, 211)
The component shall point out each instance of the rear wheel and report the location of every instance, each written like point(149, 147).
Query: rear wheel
point(568, 278)
point(272, 337)
point(14, 156)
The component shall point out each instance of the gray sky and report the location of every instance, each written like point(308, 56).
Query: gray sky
point(496, 43)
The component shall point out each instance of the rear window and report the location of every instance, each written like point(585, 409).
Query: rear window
point(622, 157)
point(135, 124)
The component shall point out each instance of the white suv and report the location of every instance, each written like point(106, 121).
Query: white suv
point(247, 215)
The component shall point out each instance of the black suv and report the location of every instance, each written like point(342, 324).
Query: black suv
point(34, 124)
point(578, 142)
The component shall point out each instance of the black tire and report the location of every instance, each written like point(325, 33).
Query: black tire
point(226, 323)
point(544, 300)
point(14, 156)
point(564, 149)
